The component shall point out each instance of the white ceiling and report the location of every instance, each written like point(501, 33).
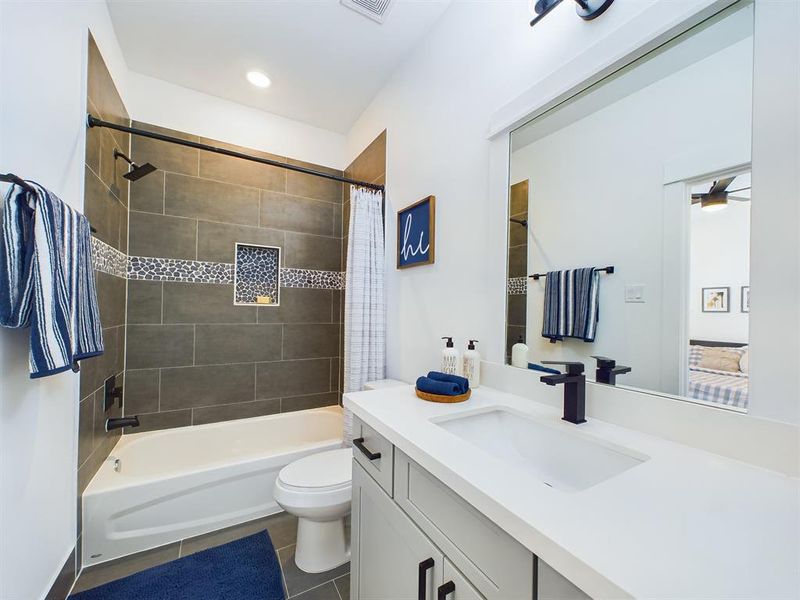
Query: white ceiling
point(326, 62)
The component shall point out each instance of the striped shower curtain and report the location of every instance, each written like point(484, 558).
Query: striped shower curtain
point(364, 305)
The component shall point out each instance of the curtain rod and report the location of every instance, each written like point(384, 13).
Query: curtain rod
point(95, 122)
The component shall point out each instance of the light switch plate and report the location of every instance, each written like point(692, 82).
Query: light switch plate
point(634, 293)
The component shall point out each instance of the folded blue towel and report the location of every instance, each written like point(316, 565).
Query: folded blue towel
point(543, 369)
point(462, 382)
point(442, 388)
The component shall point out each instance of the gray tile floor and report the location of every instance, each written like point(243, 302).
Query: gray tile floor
point(282, 528)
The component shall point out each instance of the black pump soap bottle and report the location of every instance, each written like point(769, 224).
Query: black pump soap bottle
point(450, 358)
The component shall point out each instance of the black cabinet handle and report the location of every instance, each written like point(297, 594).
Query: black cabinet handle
point(424, 567)
point(359, 443)
point(444, 589)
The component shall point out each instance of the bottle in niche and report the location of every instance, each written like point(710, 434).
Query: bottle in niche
point(519, 354)
point(450, 363)
point(471, 365)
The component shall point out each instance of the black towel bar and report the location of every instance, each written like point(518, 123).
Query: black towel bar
point(610, 269)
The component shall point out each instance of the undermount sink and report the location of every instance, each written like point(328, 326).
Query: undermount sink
point(559, 459)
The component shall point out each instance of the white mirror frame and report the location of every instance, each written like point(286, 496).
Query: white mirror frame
point(775, 232)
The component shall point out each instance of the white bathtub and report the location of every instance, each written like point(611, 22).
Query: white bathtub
point(178, 483)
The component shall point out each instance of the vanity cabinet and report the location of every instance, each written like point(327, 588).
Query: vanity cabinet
point(415, 539)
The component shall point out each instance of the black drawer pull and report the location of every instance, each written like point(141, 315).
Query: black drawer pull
point(359, 443)
point(444, 589)
point(424, 567)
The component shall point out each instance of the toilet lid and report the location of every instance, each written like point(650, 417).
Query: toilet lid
point(329, 469)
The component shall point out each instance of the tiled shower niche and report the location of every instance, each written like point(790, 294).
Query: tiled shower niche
point(256, 275)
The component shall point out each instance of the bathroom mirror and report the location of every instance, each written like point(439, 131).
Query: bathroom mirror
point(642, 179)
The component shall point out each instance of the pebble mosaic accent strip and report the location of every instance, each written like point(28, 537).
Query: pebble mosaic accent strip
point(308, 278)
point(256, 273)
point(108, 259)
point(194, 271)
point(517, 286)
point(174, 269)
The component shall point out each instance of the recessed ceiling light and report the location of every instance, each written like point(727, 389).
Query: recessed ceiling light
point(258, 79)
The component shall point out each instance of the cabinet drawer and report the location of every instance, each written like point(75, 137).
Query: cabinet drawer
point(461, 588)
point(496, 564)
point(375, 453)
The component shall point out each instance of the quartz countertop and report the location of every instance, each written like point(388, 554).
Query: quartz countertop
point(683, 524)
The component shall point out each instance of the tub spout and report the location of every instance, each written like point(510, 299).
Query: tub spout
point(122, 422)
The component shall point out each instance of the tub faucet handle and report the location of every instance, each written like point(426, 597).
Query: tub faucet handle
point(116, 462)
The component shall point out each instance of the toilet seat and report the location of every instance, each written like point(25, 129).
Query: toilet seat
point(322, 472)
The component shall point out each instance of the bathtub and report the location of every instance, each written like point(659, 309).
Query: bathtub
point(178, 483)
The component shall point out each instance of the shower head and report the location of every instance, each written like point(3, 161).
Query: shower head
point(137, 171)
point(523, 222)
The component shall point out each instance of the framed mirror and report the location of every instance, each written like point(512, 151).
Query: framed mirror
point(629, 222)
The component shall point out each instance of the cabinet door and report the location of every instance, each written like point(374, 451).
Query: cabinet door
point(390, 555)
point(455, 586)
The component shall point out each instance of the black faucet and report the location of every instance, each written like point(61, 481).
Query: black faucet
point(607, 370)
point(122, 422)
point(574, 389)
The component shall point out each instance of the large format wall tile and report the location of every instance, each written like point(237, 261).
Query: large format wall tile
point(203, 303)
point(311, 401)
point(159, 346)
point(295, 213)
point(217, 241)
point(147, 195)
point(207, 386)
point(311, 186)
point(210, 200)
point(310, 341)
point(164, 155)
point(110, 299)
point(162, 236)
point(104, 211)
point(226, 343)
point(144, 301)
point(292, 378)
point(240, 410)
point(300, 305)
point(242, 172)
point(141, 391)
point(305, 251)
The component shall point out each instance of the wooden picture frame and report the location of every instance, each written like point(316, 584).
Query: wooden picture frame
point(413, 249)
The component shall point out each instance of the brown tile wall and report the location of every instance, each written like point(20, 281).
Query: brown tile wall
point(517, 264)
point(192, 356)
point(369, 166)
point(106, 206)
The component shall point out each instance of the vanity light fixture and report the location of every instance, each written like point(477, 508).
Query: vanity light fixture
point(586, 9)
point(258, 79)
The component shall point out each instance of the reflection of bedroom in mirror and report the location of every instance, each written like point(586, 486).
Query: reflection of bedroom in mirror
point(636, 247)
point(719, 284)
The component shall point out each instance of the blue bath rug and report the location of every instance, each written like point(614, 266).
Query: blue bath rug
point(246, 569)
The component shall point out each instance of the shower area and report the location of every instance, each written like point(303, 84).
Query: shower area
point(220, 275)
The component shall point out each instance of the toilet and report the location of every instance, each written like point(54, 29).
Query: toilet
point(317, 489)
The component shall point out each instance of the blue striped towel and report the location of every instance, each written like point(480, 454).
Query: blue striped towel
point(47, 280)
point(571, 307)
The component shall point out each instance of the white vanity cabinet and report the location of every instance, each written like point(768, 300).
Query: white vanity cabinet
point(415, 539)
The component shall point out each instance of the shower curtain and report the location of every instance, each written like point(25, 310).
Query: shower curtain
point(364, 305)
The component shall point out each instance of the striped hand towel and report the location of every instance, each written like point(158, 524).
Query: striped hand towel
point(571, 306)
point(47, 280)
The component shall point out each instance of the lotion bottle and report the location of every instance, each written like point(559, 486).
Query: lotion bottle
point(472, 365)
point(519, 354)
point(450, 362)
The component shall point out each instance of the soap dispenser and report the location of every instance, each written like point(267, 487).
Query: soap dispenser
point(519, 354)
point(472, 365)
point(450, 362)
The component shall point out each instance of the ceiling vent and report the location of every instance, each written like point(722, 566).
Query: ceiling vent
point(377, 10)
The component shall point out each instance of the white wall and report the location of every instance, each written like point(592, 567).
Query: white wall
point(597, 190)
point(161, 103)
point(720, 257)
point(437, 110)
point(43, 49)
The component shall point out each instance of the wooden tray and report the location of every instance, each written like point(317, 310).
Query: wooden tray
point(443, 399)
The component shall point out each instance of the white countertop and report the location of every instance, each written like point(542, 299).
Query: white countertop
point(684, 524)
